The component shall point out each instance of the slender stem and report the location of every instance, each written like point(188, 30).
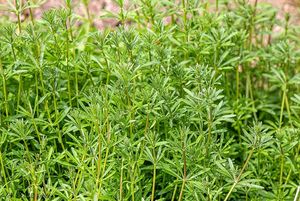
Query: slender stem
point(252, 24)
point(237, 83)
point(185, 23)
point(54, 99)
point(174, 193)
point(121, 14)
point(35, 189)
point(181, 190)
point(154, 170)
point(286, 28)
point(19, 91)
point(31, 13)
point(86, 5)
point(281, 172)
point(184, 170)
point(251, 28)
point(121, 182)
point(76, 86)
point(78, 176)
point(19, 23)
point(209, 131)
point(271, 30)
point(99, 156)
point(282, 107)
point(57, 115)
point(44, 93)
point(36, 108)
point(226, 84)
point(70, 32)
point(27, 150)
point(252, 98)
point(287, 179)
point(4, 89)
point(239, 176)
point(36, 75)
point(106, 157)
point(153, 182)
point(13, 49)
point(36, 129)
point(288, 109)
point(3, 169)
point(15, 60)
point(297, 194)
point(68, 69)
point(184, 12)
point(18, 6)
point(132, 183)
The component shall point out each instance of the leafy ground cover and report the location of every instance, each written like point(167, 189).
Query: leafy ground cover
point(182, 101)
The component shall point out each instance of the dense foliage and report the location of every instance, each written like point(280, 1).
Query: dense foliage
point(181, 101)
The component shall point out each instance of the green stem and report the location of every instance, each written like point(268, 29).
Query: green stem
point(132, 183)
point(76, 86)
point(297, 194)
point(86, 5)
point(35, 186)
point(68, 73)
point(288, 109)
point(44, 94)
point(105, 159)
point(281, 172)
point(31, 13)
point(4, 89)
point(287, 178)
point(237, 83)
point(18, 6)
point(249, 93)
point(282, 107)
point(36, 108)
point(19, 91)
point(174, 193)
point(181, 190)
point(226, 84)
point(99, 156)
point(239, 176)
point(153, 182)
point(121, 182)
point(36, 129)
point(81, 166)
point(184, 170)
point(184, 12)
point(209, 132)
point(154, 170)
point(3, 169)
point(27, 151)
point(252, 24)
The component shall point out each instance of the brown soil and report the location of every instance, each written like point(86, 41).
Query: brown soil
point(98, 7)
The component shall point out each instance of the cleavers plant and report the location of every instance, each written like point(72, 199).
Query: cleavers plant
point(182, 100)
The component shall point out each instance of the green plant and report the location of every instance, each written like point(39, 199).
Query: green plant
point(204, 106)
